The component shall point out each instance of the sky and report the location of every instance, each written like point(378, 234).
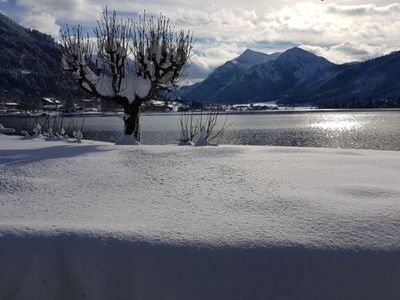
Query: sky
point(340, 30)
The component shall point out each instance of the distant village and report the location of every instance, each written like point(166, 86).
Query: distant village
point(50, 105)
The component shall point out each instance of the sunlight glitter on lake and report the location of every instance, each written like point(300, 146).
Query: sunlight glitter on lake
point(377, 130)
point(339, 123)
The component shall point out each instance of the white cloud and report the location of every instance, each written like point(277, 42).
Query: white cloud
point(342, 33)
point(206, 58)
point(43, 22)
point(65, 10)
point(364, 10)
point(341, 30)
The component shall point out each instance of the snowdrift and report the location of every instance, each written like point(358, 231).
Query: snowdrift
point(83, 266)
point(99, 221)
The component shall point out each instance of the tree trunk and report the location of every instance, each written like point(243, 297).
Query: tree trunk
point(131, 120)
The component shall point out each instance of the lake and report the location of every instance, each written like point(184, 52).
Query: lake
point(331, 129)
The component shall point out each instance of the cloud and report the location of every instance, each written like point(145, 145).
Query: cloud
point(43, 22)
point(206, 58)
point(350, 31)
point(375, 31)
point(343, 33)
point(65, 10)
point(364, 10)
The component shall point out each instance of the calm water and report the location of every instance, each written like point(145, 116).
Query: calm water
point(333, 129)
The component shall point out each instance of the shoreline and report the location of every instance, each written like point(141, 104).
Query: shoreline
point(71, 141)
point(255, 112)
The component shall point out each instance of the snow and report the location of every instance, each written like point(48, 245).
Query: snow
point(250, 57)
point(100, 221)
point(133, 85)
point(103, 84)
point(202, 140)
point(303, 64)
point(6, 130)
point(127, 140)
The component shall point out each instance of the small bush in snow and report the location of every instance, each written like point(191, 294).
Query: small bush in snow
point(78, 135)
point(189, 128)
point(201, 129)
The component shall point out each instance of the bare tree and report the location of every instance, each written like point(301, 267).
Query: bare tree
point(135, 61)
point(190, 127)
point(210, 121)
point(206, 124)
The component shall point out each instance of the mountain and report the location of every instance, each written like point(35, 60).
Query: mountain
point(30, 65)
point(266, 78)
point(298, 76)
point(356, 84)
point(250, 57)
point(214, 86)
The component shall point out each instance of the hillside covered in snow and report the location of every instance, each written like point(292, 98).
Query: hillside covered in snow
point(99, 221)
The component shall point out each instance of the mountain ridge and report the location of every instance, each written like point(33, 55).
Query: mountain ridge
point(251, 57)
point(297, 76)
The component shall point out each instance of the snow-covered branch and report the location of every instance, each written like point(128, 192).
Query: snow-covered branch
point(134, 61)
point(77, 53)
point(160, 52)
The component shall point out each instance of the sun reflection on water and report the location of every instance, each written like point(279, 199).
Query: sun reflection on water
point(338, 123)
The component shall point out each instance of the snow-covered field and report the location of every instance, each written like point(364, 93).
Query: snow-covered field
point(99, 221)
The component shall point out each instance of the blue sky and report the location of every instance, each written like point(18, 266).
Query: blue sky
point(341, 30)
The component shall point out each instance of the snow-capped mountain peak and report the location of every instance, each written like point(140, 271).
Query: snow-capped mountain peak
point(250, 57)
point(302, 64)
point(297, 54)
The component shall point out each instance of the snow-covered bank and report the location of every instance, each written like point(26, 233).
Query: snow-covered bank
point(70, 266)
point(99, 221)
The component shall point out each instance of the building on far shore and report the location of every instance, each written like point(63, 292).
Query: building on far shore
point(51, 104)
point(9, 106)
